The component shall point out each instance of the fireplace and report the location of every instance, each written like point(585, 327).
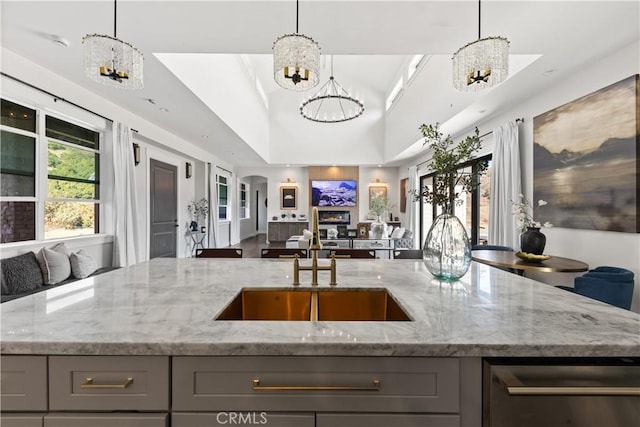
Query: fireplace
point(334, 217)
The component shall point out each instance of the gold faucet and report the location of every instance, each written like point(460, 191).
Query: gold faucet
point(314, 247)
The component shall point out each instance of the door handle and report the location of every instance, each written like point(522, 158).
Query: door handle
point(375, 386)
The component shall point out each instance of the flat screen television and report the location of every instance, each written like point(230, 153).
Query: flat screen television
point(334, 193)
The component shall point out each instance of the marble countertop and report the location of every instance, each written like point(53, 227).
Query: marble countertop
point(166, 307)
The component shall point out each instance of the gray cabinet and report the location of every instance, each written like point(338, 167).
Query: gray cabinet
point(108, 383)
point(365, 387)
point(271, 419)
point(105, 420)
point(24, 383)
point(21, 419)
point(280, 231)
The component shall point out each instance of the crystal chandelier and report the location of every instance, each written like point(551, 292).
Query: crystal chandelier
point(111, 61)
point(482, 63)
point(296, 60)
point(331, 104)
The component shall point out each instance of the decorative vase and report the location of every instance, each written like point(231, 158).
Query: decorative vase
point(378, 227)
point(447, 248)
point(532, 241)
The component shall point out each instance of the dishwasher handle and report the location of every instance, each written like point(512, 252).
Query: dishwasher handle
point(515, 387)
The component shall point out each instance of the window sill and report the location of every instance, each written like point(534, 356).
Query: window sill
point(77, 242)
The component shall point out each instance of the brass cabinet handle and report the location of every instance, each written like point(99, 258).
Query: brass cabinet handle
point(89, 384)
point(374, 387)
point(573, 391)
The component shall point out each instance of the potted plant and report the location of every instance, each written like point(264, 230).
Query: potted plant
point(197, 209)
point(447, 248)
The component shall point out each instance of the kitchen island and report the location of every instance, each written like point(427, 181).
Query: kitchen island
point(161, 314)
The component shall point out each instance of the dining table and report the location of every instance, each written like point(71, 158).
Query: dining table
point(509, 259)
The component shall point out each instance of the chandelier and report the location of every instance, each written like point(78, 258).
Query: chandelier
point(296, 60)
point(111, 61)
point(331, 104)
point(482, 63)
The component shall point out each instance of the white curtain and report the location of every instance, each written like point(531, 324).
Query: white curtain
point(412, 207)
point(506, 186)
point(126, 243)
point(212, 196)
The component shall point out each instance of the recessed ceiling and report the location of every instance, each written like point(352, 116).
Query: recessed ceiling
point(371, 40)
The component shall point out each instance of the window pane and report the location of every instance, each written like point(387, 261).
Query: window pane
point(62, 189)
point(222, 195)
point(64, 131)
point(70, 162)
point(17, 116)
point(18, 221)
point(66, 219)
point(427, 210)
point(222, 212)
point(485, 186)
point(17, 163)
point(222, 179)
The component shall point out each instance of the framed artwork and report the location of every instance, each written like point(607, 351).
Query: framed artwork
point(342, 231)
point(363, 230)
point(352, 232)
point(288, 197)
point(403, 194)
point(377, 191)
point(585, 161)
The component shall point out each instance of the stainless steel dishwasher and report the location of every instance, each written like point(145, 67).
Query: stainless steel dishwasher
point(550, 392)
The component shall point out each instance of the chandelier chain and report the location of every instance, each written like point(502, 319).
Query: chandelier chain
point(115, 19)
point(479, 20)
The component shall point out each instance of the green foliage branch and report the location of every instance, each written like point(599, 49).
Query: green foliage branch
point(450, 180)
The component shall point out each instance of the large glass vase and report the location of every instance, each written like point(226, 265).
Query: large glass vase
point(447, 249)
point(378, 228)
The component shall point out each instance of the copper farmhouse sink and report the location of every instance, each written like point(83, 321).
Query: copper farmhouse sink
point(357, 304)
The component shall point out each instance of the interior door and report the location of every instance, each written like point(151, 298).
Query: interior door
point(163, 210)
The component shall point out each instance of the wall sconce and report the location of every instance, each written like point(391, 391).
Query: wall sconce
point(136, 154)
point(189, 170)
point(378, 183)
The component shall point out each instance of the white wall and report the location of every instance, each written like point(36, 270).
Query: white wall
point(367, 178)
point(591, 246)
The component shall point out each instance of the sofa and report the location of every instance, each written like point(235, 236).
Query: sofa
point(31, 272)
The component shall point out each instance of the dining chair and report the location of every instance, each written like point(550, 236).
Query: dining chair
point(219, 253)
point(408, 254)
point(491, 248)
point(283, 253)
point(352, 253)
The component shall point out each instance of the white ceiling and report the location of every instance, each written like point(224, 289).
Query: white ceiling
point(370, 41)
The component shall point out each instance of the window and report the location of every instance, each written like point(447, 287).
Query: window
point(472, 209)
point(67, 203)
point(73, 186)
point(244, 201)
point(414, 65)
point(223, 200)
point(394, 94)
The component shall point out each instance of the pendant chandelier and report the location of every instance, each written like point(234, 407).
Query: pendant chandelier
point(111, 61)
point(481, 64)
point(296, 60)
point(331, 104)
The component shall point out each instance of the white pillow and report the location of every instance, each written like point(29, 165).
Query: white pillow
point(54, 264)
point(398, 233)
point(82, 264)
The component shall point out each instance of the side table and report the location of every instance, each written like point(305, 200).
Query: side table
point(197, 238)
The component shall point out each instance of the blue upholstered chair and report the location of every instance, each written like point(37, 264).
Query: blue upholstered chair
point(612, 285)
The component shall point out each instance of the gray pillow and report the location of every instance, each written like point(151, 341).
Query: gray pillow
point(20, 274)
point(82, 264)
point(56, 265)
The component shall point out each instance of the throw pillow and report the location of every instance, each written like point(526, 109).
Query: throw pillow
point(82, 264)
point(62, 248)
point(20, 274)
point(57, 266)
point(398, 233)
